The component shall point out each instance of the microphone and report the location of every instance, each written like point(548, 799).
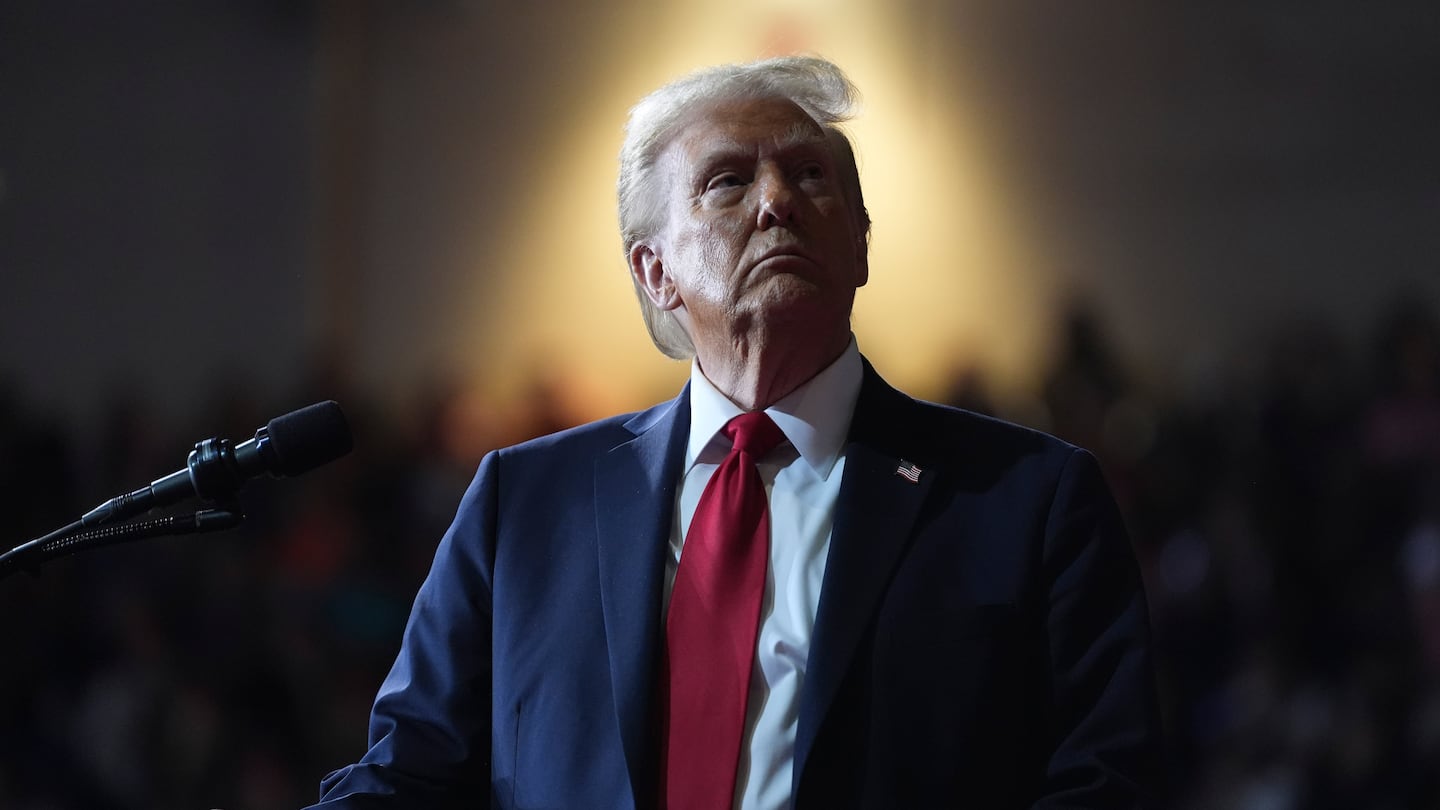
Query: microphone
point(287, 446)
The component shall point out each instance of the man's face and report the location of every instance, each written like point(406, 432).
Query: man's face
point(758, 231)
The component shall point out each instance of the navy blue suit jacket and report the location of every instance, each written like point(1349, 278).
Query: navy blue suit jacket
point(981, 639)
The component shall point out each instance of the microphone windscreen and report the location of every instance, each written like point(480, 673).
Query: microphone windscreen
point(303, 440)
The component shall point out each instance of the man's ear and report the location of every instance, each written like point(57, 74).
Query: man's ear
point(652, 278)
point(862, 259)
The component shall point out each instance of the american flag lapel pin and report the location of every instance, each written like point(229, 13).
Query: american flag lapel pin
point(908, 471)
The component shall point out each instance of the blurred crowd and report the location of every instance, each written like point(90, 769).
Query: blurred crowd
point(1286, 516)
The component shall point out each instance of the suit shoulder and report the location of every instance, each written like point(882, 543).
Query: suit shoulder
point(601, 433)
point(1005, 431)
point(592, 437)
point(968, 432)
point(885, 414)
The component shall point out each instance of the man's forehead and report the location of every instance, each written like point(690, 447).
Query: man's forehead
point(743, 124)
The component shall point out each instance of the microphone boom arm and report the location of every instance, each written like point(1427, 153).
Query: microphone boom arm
point(66, 541)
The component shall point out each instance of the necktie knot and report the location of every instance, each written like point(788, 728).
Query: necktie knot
point(753, 433)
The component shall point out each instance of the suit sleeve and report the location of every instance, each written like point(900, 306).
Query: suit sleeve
point(430, 724)
point(1104, 723)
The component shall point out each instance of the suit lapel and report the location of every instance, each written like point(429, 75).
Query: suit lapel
point(874, 515)
point(634, 504)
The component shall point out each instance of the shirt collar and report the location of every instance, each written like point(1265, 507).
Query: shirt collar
point(815, 417)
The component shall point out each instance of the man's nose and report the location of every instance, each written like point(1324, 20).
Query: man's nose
point(777, 200)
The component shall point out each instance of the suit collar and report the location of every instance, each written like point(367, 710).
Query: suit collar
point(635, 485)
point(874, 517)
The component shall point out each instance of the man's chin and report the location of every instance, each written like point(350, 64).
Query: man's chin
point(798, 304)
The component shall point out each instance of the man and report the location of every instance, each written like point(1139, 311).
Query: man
point(921, 607)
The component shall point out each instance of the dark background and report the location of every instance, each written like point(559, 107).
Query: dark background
point(211, 213)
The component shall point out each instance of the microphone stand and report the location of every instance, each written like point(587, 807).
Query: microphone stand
point(288, 445)
point(75, 538)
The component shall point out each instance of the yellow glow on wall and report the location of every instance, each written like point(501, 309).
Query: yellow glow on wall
point(951, 279)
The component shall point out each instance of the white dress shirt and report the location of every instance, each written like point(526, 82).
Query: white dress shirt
point(802, 477)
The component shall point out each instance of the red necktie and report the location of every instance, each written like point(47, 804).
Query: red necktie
point(714, 617)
